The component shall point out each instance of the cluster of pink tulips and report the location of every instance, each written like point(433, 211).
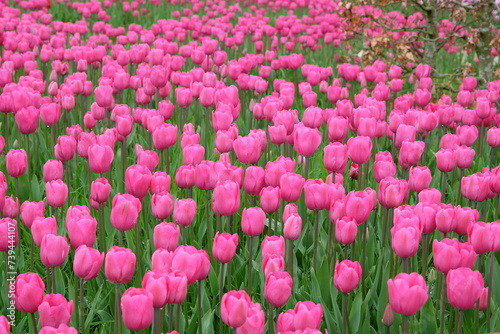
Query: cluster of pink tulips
point(201, 166)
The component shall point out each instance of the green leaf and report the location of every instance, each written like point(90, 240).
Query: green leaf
point(355, 313)
point(428, 318)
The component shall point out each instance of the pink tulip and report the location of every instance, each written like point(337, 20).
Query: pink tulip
point(392, 192)
point(87, 263)
point(420, 178)
point(119, 265)
point(306, 140)
point(234, 308)
point(55, 310)
point(405, 240)
point(346, 230)
point(291, 185)
point(247, 149)
point(307, 315)
point(184, 211)
point(82, 232)
point(292, 227)
point(16, 162)
point(166, 236)
point(53, 170)
point(252, 221)
point(30, 211)
point(61, 329)
point(155, 282)
point(255, 322)
point(272, 263)
point(193, 262)
point(57, 193)
point(137, 309)
point(137, 180)
point(100, 158)
point(407, 293)
point(278, 288)
point(29, 292)
point(53, 250)
point(224, 247)
point(254, 180)
point(226, 198)
point(445, 160)
point(176, 287)
point(450, 254)
point(347, 275)
point(125, 211)
point(273, 245)
point(464, 287)
point(161, 205)
point(359, 149)
point(5, 325)
point(335, 157)
point(100, 190)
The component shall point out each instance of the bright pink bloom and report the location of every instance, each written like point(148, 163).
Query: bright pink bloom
point(407, 293)
point(347, 275)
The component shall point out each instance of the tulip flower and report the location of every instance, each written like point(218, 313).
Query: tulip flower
point(407, 293)
point(137, 309)
point(347, 275)
point(255, 321)
point(464, 287)
point(278, 288)
point(234, 308)
point(29, 292)
point(55, 310)
point(166, 236)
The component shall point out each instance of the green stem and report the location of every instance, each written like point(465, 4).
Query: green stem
point(30, 164)
point(53, 270)
point(306, 168)
point(49, 285)
point(221, 280)
point(363, 259)
point(405, 325)
point(178, 318)
point(344, 313)
point(205, 137)
point(329, 240)
point(17, 189)
point(171, 318)
point(459, 187)
point(33, 322)
point(207, 218)
point(102, 243)
point(167, 157)
point(183, 232)
point(156, 320)
point(32, 247)
point(250, 263)
point(316, 237)
point(459, 321)
point(124, 162)
point(490, 292)
point(200, 328)
point(442, 325)
point(290, 256)
point(118, 316)
point(82, 304)
point(384, 226)
point(425, 253)
point(443, 186)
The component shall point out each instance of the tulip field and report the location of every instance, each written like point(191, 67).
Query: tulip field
point(270, 166)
